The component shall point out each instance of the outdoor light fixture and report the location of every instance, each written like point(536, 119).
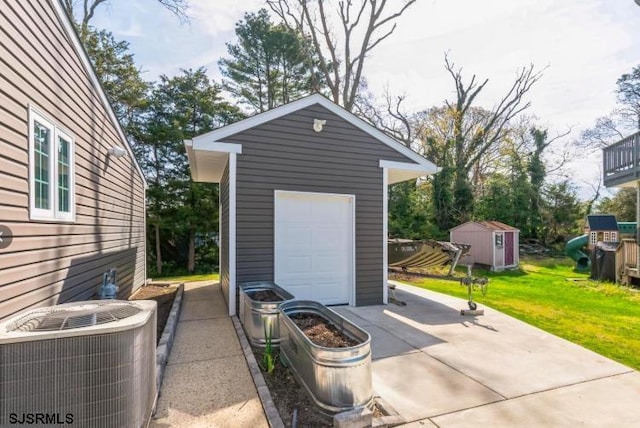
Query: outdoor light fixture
point(318, 124)
point(118, 152)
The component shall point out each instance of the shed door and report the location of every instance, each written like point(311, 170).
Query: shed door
point(314, 245)
point(508, 248)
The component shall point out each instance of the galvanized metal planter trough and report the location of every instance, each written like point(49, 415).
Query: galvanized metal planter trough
point(336, 379)
point(257, 316)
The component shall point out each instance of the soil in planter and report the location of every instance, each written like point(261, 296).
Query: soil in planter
point(321, 332)
point(264, 296)
point(164, 296)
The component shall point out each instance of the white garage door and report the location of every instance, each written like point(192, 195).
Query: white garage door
point(314, 245)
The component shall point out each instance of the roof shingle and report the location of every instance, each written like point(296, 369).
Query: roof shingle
point(602, 222)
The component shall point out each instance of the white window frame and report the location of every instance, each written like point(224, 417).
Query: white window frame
point(606, 237)
point(614, 237)
point(593, 238)
point(57, 133)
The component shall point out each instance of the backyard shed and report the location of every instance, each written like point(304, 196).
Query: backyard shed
point(72, 197)
point(303, 200)
point(493, 244)
point(601, 228)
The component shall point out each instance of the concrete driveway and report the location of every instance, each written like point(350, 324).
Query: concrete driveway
point(440, 369)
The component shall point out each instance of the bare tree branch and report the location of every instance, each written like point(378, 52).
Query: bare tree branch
point(597, 189)
point(177, 7)
point(342, 68)
point(606, 131)
point(390, 118)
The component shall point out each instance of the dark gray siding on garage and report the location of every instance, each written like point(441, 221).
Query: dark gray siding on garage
point(224, 234)
point(286, 154)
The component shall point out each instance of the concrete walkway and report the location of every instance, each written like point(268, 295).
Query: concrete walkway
point(207, 381)
point(440, 369)
point(434, 366)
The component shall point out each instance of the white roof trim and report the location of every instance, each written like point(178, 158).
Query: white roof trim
point(427, 169)
point(84, 59)
point(251, 122)
point(219, 147)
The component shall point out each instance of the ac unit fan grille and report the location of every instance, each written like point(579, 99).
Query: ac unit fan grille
point(65, 317)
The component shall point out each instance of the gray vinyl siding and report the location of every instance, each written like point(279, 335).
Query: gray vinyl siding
point(52, 262)
point(286, 154)
point(224, 234)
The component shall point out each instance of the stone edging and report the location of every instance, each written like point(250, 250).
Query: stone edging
point(168, 335)
point(270, 410)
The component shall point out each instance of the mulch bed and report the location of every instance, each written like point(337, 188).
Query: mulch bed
point(289, 397)
point(164, 296)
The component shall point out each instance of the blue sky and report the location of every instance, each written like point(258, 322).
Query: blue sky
point(586, 46)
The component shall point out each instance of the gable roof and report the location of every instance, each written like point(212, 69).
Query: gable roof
point(214, 140)
point(602, 222)
point(489, 225)
point(77, 46)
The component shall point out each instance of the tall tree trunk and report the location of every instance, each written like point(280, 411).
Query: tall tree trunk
point(462, 196)
point(158, 251)
point(191, 263)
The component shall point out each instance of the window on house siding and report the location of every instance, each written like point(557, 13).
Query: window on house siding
point(606, 237)
point(593, 238)
point(51, 169)
point(614, 236)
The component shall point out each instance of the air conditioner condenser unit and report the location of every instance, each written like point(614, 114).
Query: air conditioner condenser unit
point(80, 364)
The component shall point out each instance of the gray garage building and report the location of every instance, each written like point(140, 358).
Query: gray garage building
point(303, 200)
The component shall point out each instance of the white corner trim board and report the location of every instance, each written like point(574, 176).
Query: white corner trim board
point(385, 234)
point(232, 234)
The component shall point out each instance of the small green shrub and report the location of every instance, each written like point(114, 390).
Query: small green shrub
point(268, 357)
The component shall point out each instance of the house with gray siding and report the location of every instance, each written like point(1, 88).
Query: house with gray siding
point(72, 197)
point(303, 200)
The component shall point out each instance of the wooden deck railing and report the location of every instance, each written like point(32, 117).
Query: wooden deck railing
point(621, 160)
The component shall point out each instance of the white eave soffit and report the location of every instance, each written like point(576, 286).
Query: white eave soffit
point(403, 171)
point(208, 161)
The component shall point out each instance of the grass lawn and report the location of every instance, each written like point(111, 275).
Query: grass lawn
point(600, 316)
point(190, 278)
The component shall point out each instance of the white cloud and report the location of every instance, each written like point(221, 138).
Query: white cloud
point(494, 38)
point(220, 16)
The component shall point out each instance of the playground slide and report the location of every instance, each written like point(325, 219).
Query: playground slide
point(573, 250)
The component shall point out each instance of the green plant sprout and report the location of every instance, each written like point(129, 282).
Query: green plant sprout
point(268, 357)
